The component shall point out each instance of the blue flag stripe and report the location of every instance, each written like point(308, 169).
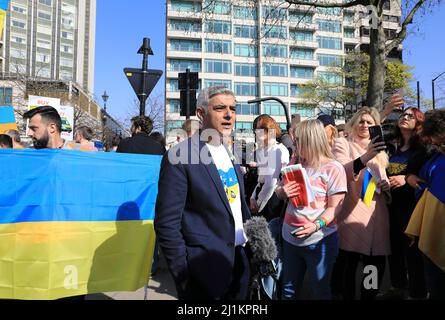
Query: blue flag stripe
point(7, 115)
point(65, 185)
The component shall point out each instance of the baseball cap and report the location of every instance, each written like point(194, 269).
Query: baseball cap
point(326, 120)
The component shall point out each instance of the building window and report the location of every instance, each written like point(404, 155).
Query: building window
point(244, 13)
point(348, 17)
point(302, 36)
point(67, 49)
point(303, 110)
point(330, 11)
point(18, 9)
point(301, 72)
point(18, 39)
point(215, 26)
point(274, 13)
point(46, 2)
point(185, 45)
point(5, 96)
point(44, 16)
point(330, 77)
point(277, 51)
point(174, 85)
point(217, 7)
point(294, 90)
point(329, 26)
point(349, 33)
point(182, 65)
point(185, 6)
point(17, 53)
point(387, 5)
point(218, 83)
point(245, 31)
point(242, 126)
point(302, 54)
point(275, 70)
point(245, 108)
point(218, 46)
point(246, 89)
point(44, 73)
point(245, 50)
point(330, 43)
point(18, 24)
point(300, 17)
point(218, 66)
point(329, 60)
point(64, 62)
point(174, 124)
point(43, 57)
point(273, 109)
point(275, 32)
point(187, 26)
point(275, 89)
point(174, 106)
point(67, 35)
point(246, 69)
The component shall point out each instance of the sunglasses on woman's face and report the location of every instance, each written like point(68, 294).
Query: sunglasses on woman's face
point(410, 116)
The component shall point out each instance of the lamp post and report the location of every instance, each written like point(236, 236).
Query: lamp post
point(432, 83)
point(105, 97)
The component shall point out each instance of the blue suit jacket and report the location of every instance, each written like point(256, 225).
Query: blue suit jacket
point(194, 223)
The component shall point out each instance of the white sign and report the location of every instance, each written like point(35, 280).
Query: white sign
point(65, 112)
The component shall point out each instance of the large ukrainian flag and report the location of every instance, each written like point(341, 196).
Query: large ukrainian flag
point(428, 219)
point(73, 223)
point(3, 8)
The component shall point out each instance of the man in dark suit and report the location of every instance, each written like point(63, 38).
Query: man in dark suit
point(201, 208)
point(141, 142)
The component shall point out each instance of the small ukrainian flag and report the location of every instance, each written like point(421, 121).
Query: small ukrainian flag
point(369, 186)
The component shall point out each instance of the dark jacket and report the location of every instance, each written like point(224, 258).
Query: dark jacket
point(194, 223)
point(140, 143)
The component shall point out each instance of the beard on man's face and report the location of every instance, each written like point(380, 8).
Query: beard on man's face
point(42, 142)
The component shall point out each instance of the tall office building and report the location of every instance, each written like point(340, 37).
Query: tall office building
point(51, 39)
point(262, 50)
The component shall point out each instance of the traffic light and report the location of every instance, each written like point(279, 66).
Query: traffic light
point(188, 84)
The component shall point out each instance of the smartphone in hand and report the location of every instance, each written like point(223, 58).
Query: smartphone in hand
point(294, 232)
point(376, 131)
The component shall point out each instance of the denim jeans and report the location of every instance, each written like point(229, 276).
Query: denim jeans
point(317, 260)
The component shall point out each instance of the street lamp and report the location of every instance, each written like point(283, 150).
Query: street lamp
point(432, 82)
point(105, 97)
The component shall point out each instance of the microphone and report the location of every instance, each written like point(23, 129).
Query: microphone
point(262, 245)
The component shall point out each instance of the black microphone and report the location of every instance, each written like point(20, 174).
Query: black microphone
point(262, 245)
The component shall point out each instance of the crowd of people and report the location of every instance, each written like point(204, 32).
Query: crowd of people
point(202, 205)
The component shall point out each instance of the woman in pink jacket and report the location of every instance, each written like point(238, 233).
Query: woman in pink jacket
point(363, 230)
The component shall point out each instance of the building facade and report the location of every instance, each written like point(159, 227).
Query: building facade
point(262, 48)
point(51, 39)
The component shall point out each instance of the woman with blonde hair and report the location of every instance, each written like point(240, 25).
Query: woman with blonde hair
point(363, 227)
point(310, 241)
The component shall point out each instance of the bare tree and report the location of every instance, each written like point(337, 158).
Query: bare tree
point(155, 108)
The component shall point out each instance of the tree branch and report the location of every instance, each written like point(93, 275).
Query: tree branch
point(315, 3)
point(401, 35)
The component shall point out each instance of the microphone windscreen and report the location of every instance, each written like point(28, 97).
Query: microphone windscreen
point(262, 244)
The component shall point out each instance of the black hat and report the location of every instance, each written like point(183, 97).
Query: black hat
point(326, 120)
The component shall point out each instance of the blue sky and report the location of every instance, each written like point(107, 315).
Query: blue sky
point(121, 26)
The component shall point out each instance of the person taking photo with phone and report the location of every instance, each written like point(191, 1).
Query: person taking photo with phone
point(406, 158)
point(363, 227)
